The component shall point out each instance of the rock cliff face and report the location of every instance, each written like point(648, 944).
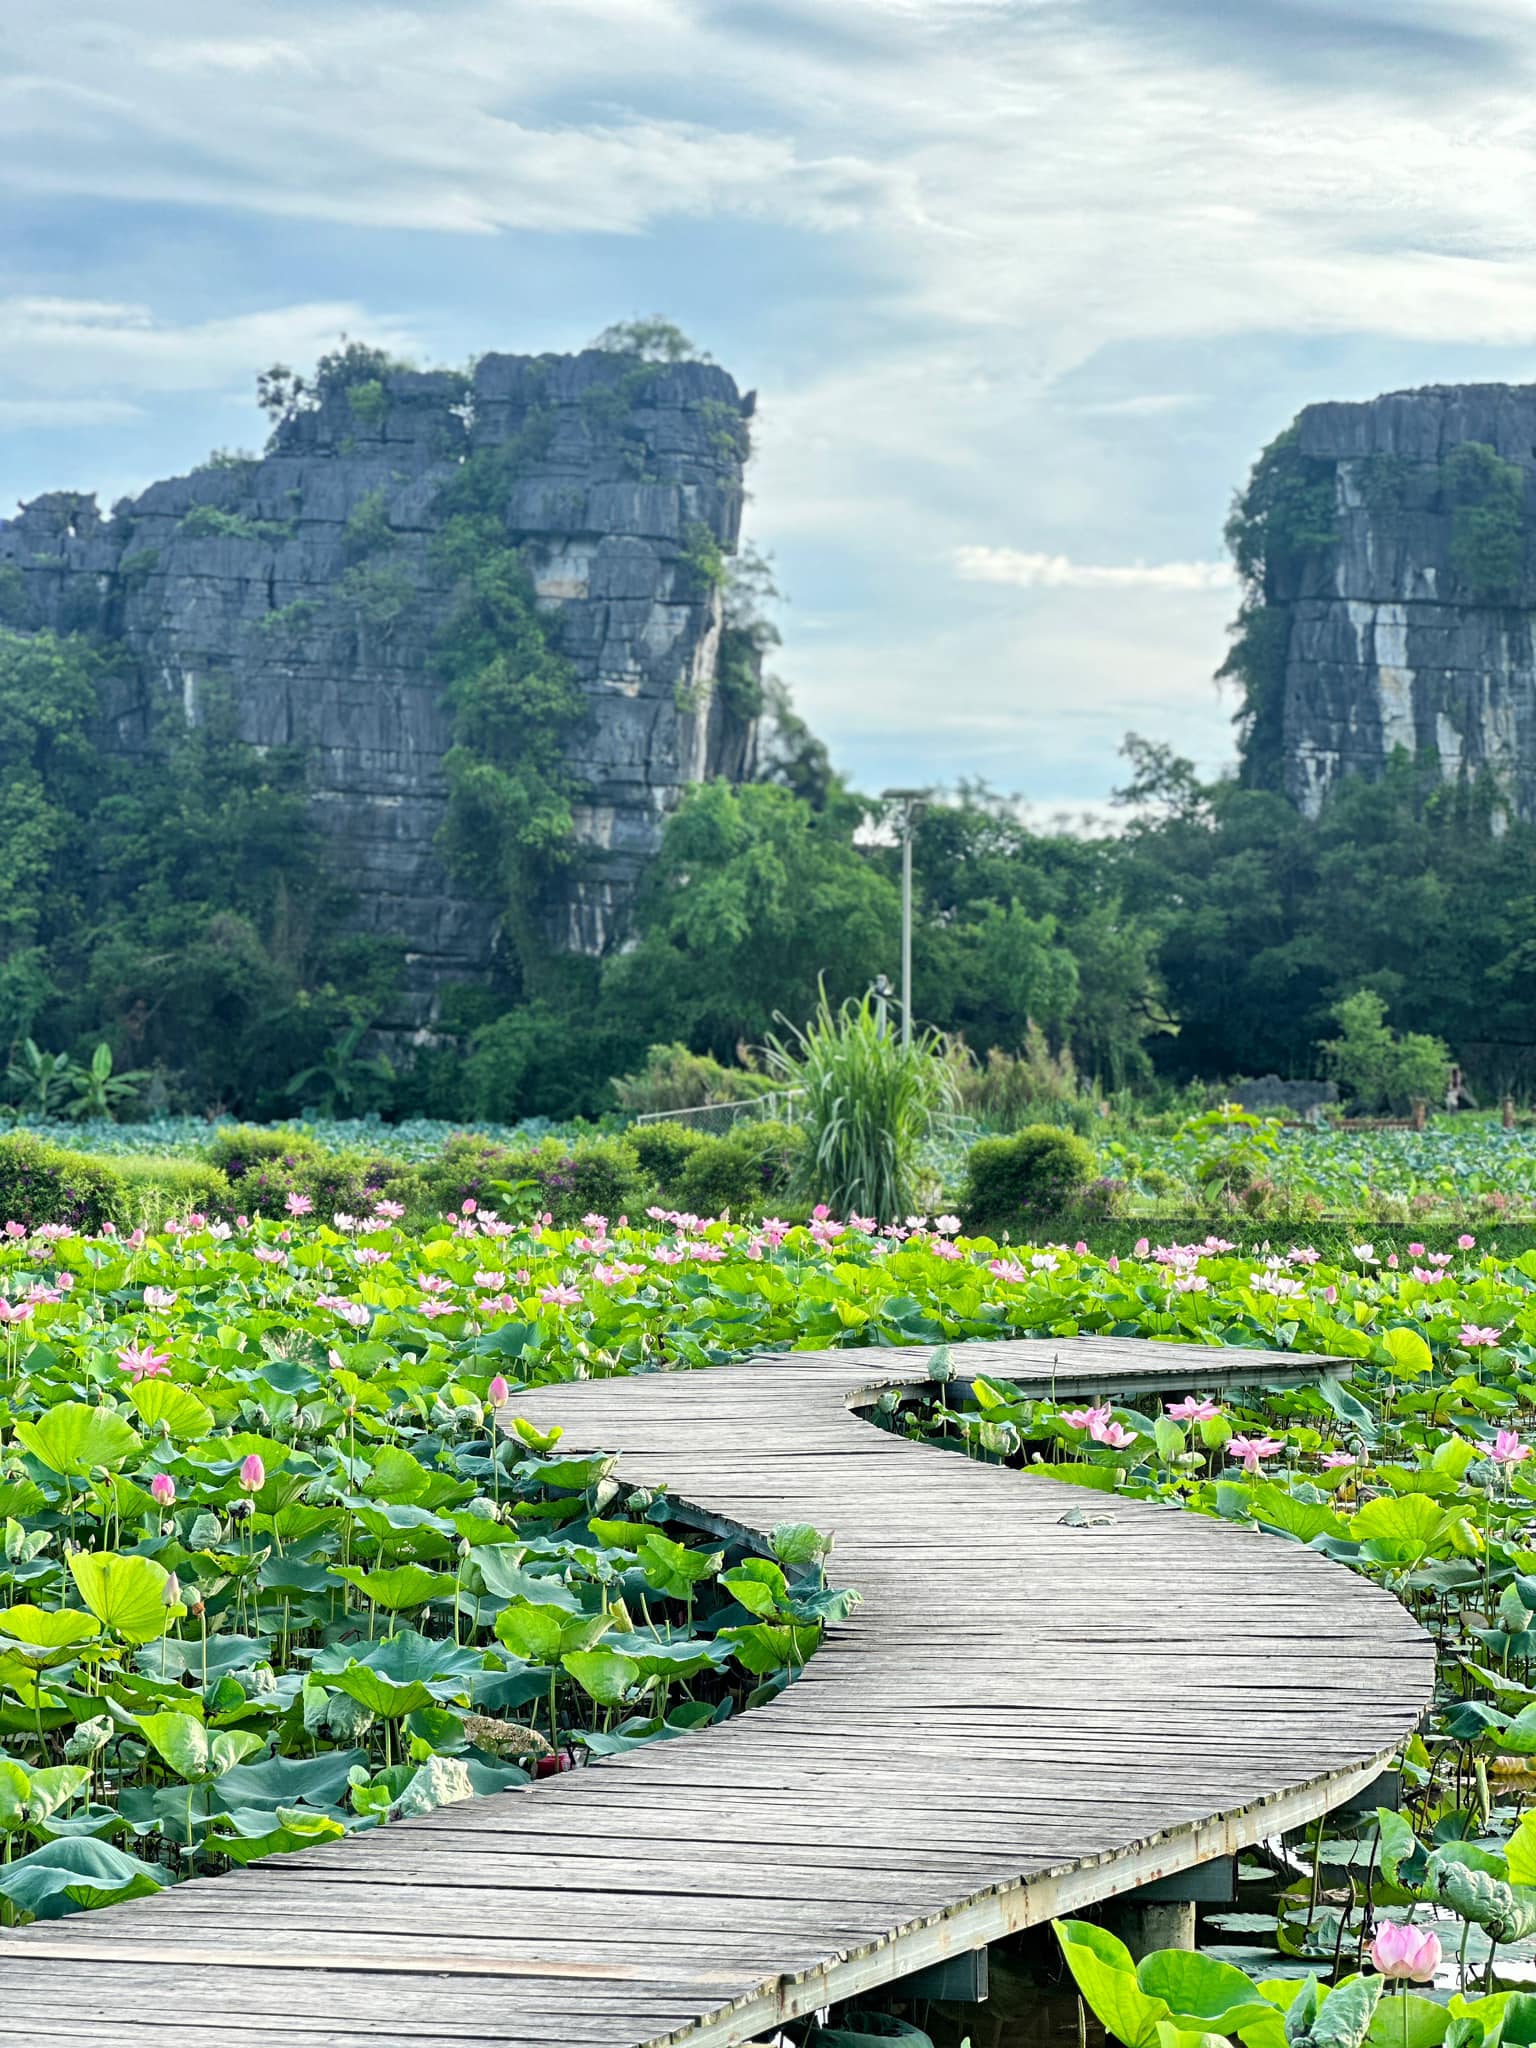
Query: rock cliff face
point(304, 586)
point(1402, 605)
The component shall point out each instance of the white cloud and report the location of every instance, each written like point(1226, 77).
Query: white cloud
point(1060, 572)
point(54, 346)
point(67, 412)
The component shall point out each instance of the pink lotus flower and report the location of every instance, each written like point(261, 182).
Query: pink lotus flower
point(434, 1283)
point(1007, 1269)
point(431, 1308)
point(491, 1280)
point(1191, 1283)
point(1410, 1953)
point(159, 1297)
point(1471, 1336)
point(498, 1390)
point(163, 1489)
point(1508, 1450)
point(1115, 1434)
point(298, 1205)
point(144, 1362)
point(15, 1229)
point(390, 1211)
point(15, 1311)
point(1251, 1449)
point(1141, 1247)
point(1466, 1241)
point(1337, 1460)
point(1113, 1263)
point(560, 1295)
point(1415, 1251)
point(269, 1254)
point(253, 1474)
point(1091, 1419)
point(1193, 1408)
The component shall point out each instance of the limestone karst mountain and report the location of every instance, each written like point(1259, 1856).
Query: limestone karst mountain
point(308, 590)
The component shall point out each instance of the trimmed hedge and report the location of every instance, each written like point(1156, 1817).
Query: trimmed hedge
point(1040, 1171)
point(42, 1183)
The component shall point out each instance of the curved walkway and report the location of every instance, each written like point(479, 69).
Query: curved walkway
point(1025, 1715)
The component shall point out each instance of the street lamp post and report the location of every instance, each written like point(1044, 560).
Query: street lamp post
point(909, 806)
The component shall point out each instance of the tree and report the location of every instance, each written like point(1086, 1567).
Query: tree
point(753, 897)
point(1377, 1068)
point(651, 338)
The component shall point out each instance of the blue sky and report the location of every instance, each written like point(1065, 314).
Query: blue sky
point(1024, 285)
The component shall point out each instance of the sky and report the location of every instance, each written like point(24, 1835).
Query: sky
point(1024, 286)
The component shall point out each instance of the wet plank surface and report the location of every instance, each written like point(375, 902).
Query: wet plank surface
point(1023, 1716)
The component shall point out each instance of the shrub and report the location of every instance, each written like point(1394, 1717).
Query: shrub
point(756, 1165)
point(664, 1150)
point(1039, 1171)
point(675, 1078)
point(467, 1169)
point(598, 1176)
point(595, 1176)
point(869, 1103)
point(42, 1183)
point(265, 1167)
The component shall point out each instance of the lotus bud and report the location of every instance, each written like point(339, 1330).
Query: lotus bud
point(641, 1499)
point(253, 1474)
point(170, 1595)
point(497, 1391)
point(163, 1489)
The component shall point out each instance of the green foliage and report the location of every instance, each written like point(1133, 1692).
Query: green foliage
point(1284, 515)
point(752, 897)
point(292, 617)
point(703, 558)
point(42, 1183)
point(675, 1078)
point(866, 1103)
point(369, 402)
point(98, 1091)
point(663, 1150)
point(13, 595)
point(1377, 1067)
point(1280, 524)
point(1039, 1171)
point(343, 1081)
point(652, 339)
point(515, 707)
point(138, 564)
point(1487, 499)
point(754, 1167)
point(264, 1168)
point(368, 531)
point(377, 592)
point(208, 522)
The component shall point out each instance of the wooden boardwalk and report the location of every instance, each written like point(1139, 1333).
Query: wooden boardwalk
point(1024, 1716)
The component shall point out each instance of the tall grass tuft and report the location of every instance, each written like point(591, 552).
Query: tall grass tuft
point(866, 1104)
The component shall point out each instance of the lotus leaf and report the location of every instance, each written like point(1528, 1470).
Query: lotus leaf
point(73, 1440)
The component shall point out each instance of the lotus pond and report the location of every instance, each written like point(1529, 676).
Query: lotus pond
point(272, 1577)
point(1466, 1167)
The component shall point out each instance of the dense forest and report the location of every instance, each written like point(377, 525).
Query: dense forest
point(182, 911)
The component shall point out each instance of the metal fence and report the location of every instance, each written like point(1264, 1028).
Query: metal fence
point(714, 1119)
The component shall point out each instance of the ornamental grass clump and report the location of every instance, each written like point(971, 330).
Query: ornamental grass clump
point(867, 1104)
